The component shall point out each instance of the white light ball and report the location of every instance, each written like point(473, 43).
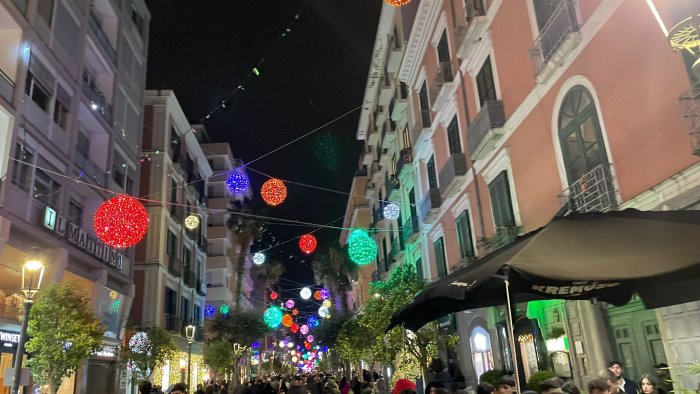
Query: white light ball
point(305, 293)
point(258, 258)
point(391, 211)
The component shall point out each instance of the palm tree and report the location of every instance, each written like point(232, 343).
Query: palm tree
point(334, 268)
point(270, 273)
point(244, 229)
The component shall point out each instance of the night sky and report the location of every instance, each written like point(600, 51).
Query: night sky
point(202, 50)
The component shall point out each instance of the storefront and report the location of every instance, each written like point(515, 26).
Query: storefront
point(8, 347)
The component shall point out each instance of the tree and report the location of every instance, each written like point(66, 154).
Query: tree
point(353, 342)
point(270, 273)
point(246, 229)
point(64, 331)
point(219, 356)
point(334, 268)
point(146, 350)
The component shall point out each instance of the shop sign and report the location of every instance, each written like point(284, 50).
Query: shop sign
point(9, 337)
point(107, 352)
point(76, 236)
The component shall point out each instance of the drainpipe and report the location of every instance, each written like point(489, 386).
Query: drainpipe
point(469, 159)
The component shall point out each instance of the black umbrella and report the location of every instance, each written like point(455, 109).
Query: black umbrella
point(606, 256)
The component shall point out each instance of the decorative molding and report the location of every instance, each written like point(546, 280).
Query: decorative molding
point(418, 40)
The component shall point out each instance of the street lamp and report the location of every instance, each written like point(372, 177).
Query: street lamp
point(32, 273)
point(189, 334)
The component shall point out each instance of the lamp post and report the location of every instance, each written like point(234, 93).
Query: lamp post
point(238, 351)
point(32, 273)
point(189, 334)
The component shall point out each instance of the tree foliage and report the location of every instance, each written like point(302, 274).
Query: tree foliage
point(269, 273)
point(64, 331)
point(242, 327)
point(155, 351)
point(219, 356)
point(352, 341)
point(327, 333)
point(244, 230)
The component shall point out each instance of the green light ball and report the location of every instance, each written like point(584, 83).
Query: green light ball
point(224, 309)
point(363, 250)
point(273, 317)
point(357, 234)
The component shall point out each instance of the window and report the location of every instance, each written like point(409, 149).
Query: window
point(39, 94)
point(443, 52)
point(453, 137)
point(60, 114)
point(386, 254)
point(185, 310)
point(137, 18)
point(197, 315)
point(45, 10)
point(46, 189)
point(432, 175)
point(21, 168)
point(170, 301)
point(174, 145)
point(501, 202)
point(485, 84)
point(172, 244)
point(419, 268)
point(464, 235)
point(75, 212)
point(83, 143)
point(544, 10)
point(482, 357)
point(129, 187)
point(424, 105)
point(173, 191)
point(440, 261)
point(118, 169)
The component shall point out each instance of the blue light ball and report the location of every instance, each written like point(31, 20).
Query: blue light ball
point(237, 182)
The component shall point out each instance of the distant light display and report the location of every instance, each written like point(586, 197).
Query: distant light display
point(312, 321)
point(273, 295)
point(294, 328)
point(305, 293)
point(237, 182)
point(139, 342)
point(273, 317)
point(259, 258)
point(287, 320)
point(325, 294)
point(391, 211)
point(192, 222)
point(224, 309)
point(209, 311)
point(307, 243)
point(289, 304)
point(397, 3)
point(304, 329)
point(317, 295)
point(326, 303)
point(295, 312)
point(310, 339)
point(323, 311)
point(273, 192)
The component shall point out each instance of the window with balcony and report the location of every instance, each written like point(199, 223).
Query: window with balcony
point(44, 9)
point(419, 268)
point(21, 170)
point(453, 137)
point(75, 212)
point(46, 189)
point(60, 114)
point(501, 201)
point(485, 83)
point(440, 260)
point(445, 63)
point(432, 175)
point(464, 235)
point(424, 105)
point(37, 93)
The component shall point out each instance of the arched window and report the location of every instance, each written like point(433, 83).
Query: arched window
point(580, 135)
point(480, 342)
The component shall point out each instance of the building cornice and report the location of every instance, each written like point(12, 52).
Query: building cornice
point(427, 14)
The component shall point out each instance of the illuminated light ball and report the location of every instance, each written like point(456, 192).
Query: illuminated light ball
point(192, 222)
point(255, 344)
point(325, 294)
point(310, 339)
point(289, 304)
point(273, 317)
point(328, 316)
point(281, 343)
point(317, 295)
point(224, 309)
point(295, 312)
point(273, 295)
point(326, 303)
point(357, 234)
point(363, 250)
point(258, 258)
point(290, 345)
point(305, 293)
point(292, 352)
point(294, 359)
point(397, 3)
point(287, 320)
point(273, 192)
point(312, 321)
point(209, 311)
point(139, 342)
point(391, 211)
point(113, 294)
point(294, 328)
point(304, 329)
point(323, 311)
point(307, 345)
point(307, 243)
point(121, 221)
point(237, 182)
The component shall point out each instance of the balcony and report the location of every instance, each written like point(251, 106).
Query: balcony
point(173, 323)
point(469, 34)
point(189, 278)
point(174, 266)
point(430, 206)
point(558, 36)
point(592, 192)
point(442, 86)
point(392, 185)
point(7, 87)
point(690, 110)
point(397, 251)
point(503, 236)
point(96, 26)
point(486, 130)
point(452, 174)
point(89, 168)
point(405, 159)
point(410, 230)
point(368, 155)
point(98, 102)
point(176, 213)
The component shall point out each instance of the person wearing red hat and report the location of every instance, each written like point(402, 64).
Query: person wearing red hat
point(404, 386)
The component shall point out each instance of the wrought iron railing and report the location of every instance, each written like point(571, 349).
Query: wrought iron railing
point(432, 200)
point(98, 101)
point(593, 192)
point(96, 26)
point(502, 237)
point(443, 75)
point(455, 166)
point(409, 228)
point(557, 29)
point(406, 157)
point(490, 116)
point(7, 87)
point(690, 110)
point(89, 167)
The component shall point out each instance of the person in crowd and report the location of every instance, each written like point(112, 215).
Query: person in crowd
point(209, 389)
point(551, 386)
point(344, 386)
point(613, 381)
point(178, 388)
point(598, 386)
point(663, 375)
point(650, 385)
point(380, 384)
point(482, 388)
point(145, 387)
point(297, 387)
point(315, 387)
point(440, 373)
point(570, 388)
point(506, 385)
point(282, 389)
point(200, 390)
point(331, 387)
point(432, 387)
point(355, 385)
point(626, 385)
point(402, 385)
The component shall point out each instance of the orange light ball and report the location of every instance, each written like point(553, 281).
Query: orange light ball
point(317, 295)
point(397, 3)
point(287, 320)
point(273, 192)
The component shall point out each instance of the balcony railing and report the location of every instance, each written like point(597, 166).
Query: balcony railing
point(391, 184)
point(593, 191)
point(410, 229)
point(502, 237)
point(396, 250)
point(98, 102)
point(173, 323)
point(480, 140)
point(89, 167)
point(7, 87)
point(560, 25)
point(96, 26)
point(690, 110)
point(430, 205)
point(455, 166)
point(174, 266)
point(405, 158)
point(443, 76)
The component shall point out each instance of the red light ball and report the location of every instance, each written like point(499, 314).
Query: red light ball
point(317, 295)
point(294, 328)
point(273, 295)
point(307, 243)
point(307, 345)
point(121, 221)
point(273, 192)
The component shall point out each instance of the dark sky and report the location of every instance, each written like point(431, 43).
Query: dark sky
point(203, 49)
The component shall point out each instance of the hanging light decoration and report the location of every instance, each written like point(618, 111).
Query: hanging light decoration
point(307, 345)
point(287, 320)
point(317, 295)
point(357, 234)
point(209, 311)
point(304, 329)
point(237, 182)
point(289, 304)
point(362, 249)
point(325, 294)
point(273, 192)
point(273, 317)
point(258, 258)
point(397, 3)
point(326, 303)
point(307, 243)
point(224, 309)
point(139, 342)
point(273, 295)
point(310, 339)
point(305, 293)
point(121, 221)
point(294, 328)
point(312, 321)
point(323, 311)
point(192, 222)
point(295, 312)
point(391, 211)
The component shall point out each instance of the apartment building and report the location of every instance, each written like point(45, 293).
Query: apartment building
point(484, 119)
point(71, 91)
